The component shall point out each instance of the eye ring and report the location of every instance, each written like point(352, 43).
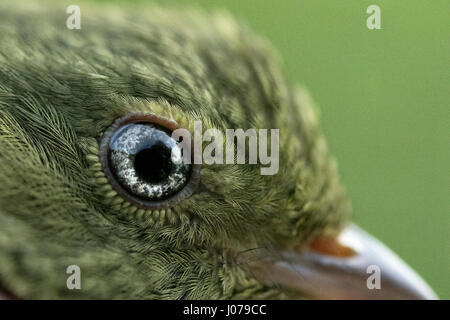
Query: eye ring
point(104, 154)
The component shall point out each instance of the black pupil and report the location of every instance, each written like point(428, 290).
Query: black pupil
point(154, 164)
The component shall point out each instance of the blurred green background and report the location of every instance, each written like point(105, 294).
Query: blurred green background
point(384, 97)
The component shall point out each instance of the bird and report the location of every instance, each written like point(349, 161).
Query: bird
point(83, 183)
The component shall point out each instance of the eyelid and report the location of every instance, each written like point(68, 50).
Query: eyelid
point(168, 124)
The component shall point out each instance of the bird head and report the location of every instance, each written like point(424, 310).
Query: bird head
point(86, 118)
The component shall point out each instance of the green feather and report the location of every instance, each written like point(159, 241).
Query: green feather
point(60, 89)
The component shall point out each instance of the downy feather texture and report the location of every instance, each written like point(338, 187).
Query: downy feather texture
point(60, 89)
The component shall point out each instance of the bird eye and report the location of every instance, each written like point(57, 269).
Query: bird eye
point(136, 155)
